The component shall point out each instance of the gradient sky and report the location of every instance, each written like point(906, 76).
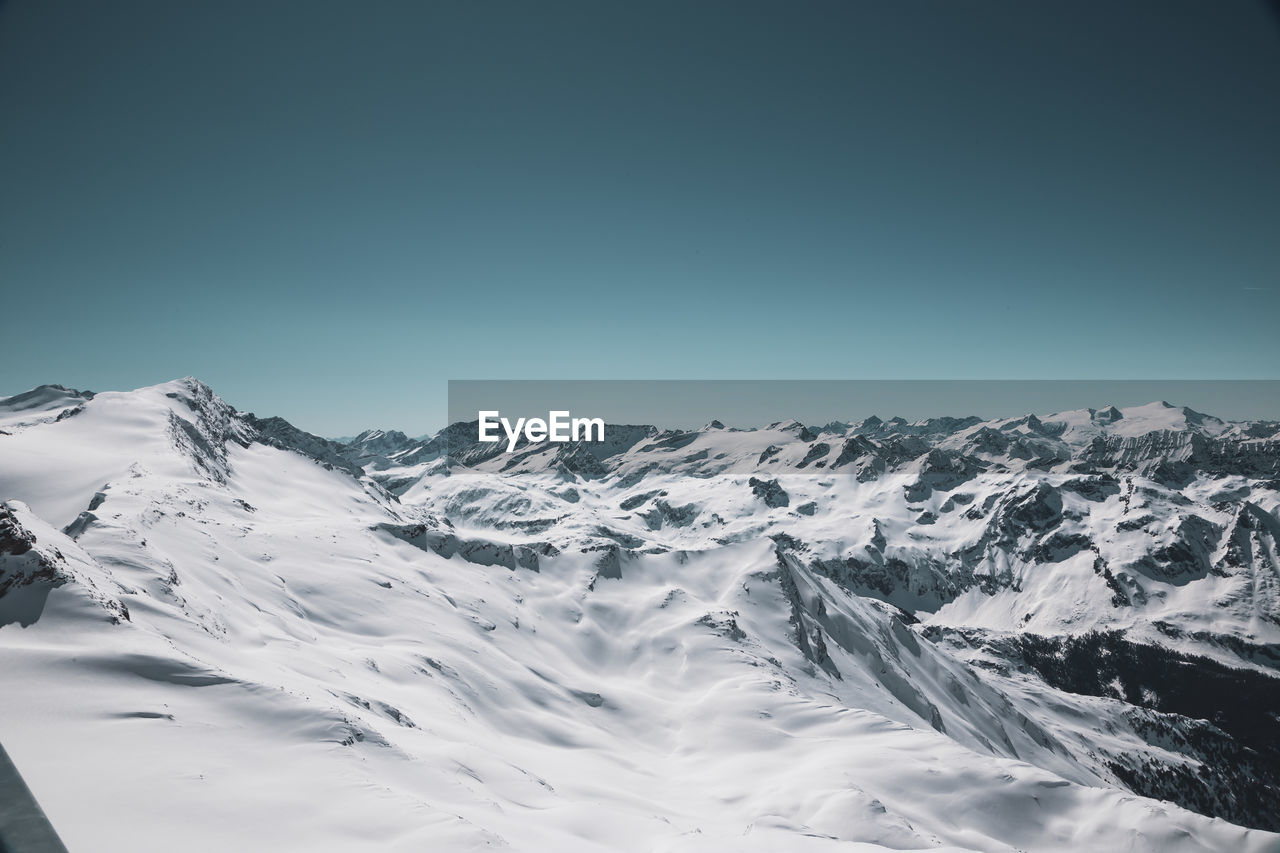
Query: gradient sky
point(326, 210)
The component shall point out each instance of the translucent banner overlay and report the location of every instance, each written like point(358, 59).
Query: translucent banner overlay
point(708, 427)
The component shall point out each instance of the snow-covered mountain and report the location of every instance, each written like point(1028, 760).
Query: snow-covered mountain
point(1054, 632)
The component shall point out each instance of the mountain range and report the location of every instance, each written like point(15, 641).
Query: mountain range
point(1052, 632)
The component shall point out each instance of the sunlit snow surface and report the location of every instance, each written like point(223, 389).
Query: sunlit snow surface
point(243, 650)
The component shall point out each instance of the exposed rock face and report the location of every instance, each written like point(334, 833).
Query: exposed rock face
point(770, 492)
point(942, 471)
point(1175, 458)
point(1228, 753)
point(278, 432)
point(440, 538)
point(35, 560)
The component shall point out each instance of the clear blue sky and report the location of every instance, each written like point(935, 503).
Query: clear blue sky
point(326, 210)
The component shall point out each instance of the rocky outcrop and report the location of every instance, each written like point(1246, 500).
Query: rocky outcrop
point(277, 432)
point(35, 559)
point(769, 491)
point(439, 538)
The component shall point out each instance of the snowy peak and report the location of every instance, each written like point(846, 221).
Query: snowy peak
point(44, 397)
point(1081, 426)
point(42, 403)
point(174, 430)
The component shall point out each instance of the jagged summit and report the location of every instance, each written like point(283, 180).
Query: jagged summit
point(381, 437)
